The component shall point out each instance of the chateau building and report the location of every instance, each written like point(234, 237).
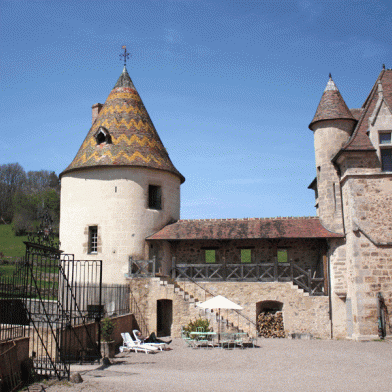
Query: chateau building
point(120, 201)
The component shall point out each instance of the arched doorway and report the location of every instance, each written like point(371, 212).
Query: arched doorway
point(269, 319)
point(164, 317)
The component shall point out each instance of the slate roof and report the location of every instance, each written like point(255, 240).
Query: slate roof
point(250, 228)
point(133, 139)
point(331, 106)
point(359, 140)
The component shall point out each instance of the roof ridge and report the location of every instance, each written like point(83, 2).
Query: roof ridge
point(247, 219)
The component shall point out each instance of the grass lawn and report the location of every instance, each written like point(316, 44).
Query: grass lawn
point(10, 245)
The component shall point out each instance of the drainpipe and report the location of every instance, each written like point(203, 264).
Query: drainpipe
point(329, 291)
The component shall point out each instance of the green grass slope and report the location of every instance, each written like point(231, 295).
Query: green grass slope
point(10, 245)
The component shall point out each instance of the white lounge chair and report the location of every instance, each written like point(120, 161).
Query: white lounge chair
point(130, 345)
point(160, 346)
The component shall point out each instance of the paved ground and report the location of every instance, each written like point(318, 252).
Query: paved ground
point(276, 365)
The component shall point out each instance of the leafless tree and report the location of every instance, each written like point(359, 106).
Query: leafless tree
point(12, 179)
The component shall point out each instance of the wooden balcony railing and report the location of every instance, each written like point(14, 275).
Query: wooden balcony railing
point(262, 272)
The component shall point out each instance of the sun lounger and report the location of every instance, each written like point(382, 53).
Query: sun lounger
point(130, 345)
point(160, 346)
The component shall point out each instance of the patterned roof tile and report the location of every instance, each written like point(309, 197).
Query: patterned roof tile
point(131, 138)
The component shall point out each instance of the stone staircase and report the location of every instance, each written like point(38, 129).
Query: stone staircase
point(227, 324)
point(303, 312)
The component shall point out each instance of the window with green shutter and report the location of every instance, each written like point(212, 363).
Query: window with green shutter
point(210, 256)
point(246, 255)
point(282, 256)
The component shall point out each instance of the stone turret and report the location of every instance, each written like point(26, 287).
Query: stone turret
point(121, 186)
point(332, 125)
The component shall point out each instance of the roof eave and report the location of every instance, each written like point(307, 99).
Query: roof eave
point(74, 169)
point(343, 151)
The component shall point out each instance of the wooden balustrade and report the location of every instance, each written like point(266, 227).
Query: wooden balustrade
point(259, 272)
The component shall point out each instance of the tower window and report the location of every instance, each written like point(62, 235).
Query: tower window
point(385, 138)
point(93, 239)
point(154, 197)
point(386, 151)
point(386, 159)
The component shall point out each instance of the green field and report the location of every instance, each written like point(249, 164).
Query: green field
point(10, 245)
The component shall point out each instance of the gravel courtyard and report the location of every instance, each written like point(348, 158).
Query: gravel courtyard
point(275, 365)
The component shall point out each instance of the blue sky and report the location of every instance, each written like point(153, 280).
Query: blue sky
point(230, 85)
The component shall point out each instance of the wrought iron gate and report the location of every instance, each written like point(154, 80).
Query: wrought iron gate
point(61, 298)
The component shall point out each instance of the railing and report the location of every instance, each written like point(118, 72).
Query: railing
point(206, 291)
point(141, 267)
point(263, 272)
point(14, 320)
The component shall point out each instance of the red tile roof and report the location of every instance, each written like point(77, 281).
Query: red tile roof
point(356, 113)
point(331, 106)
point(133, 141)
point(360, 140)
point(250, 228)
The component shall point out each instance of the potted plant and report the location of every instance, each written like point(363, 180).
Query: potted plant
point(107, 342)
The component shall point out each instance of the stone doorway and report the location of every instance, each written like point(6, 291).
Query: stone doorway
point(164, 317)
point(269, 319)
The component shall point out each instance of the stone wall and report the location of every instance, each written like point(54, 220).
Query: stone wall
point(368, 216)
point(301, 313)
point(329, 137)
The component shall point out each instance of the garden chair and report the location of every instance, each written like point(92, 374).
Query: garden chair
point(187, 339)
point(201, 339)
point(160, 346)
point(130, 345)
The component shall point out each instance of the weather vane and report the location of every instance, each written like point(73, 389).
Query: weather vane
point(125, 55)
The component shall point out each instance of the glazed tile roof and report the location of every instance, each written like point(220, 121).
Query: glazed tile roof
point(251, 228)
point(359, 140)
point(331, 106)
point(132, 139)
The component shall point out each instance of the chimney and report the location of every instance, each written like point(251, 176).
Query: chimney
point(96, 109)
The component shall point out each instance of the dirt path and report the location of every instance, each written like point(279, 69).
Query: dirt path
point(276, 365)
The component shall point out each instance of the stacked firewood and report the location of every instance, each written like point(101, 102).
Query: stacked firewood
point(270, 325)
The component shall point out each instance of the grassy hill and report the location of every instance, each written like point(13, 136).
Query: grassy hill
point(10, 245)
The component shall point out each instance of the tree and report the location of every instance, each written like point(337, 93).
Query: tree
point(12, 179)
point(39, 181)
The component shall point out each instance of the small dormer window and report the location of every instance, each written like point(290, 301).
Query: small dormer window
point(385, 142)
point(102, 136)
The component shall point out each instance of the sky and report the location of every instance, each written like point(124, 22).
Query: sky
point(230, 85)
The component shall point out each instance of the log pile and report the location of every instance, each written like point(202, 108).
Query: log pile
point(270, 325)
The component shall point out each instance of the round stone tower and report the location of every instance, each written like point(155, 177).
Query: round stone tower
point(332, 125)
point(120, 188)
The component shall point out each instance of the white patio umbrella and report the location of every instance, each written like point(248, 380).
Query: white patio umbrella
point(219, 302)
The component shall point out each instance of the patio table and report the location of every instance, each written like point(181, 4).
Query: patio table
point(234, 338)
point(203, 337)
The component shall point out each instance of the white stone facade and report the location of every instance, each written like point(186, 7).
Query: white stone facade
point(115, 199)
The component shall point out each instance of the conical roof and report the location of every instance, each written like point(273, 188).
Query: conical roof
point(332, 105)
point(123, 134)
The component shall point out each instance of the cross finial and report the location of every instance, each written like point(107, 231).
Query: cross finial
point(330, 76)
point(383, 66)
point(125, 55)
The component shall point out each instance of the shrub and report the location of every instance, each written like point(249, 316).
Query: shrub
point(198, 323)
point(107, 329)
